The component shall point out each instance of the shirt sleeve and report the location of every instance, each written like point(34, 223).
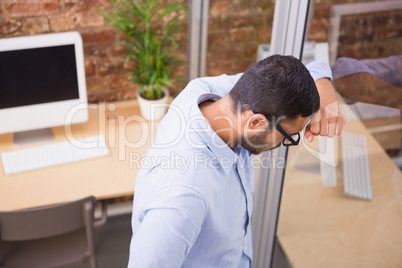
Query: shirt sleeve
point(169, 229)
point(319, 69)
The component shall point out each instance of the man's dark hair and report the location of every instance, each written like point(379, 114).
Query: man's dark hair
point(277, 86)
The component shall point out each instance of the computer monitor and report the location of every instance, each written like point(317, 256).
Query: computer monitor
point(42, 78)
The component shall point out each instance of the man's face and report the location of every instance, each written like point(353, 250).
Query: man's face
point(262, 139)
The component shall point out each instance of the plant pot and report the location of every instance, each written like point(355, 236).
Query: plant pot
point(153, 110)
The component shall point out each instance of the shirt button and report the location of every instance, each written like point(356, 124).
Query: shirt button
point(245, 248)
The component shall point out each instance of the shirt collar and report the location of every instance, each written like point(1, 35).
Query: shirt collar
point(224, 154)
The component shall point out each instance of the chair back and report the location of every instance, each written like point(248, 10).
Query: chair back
point(46, 221)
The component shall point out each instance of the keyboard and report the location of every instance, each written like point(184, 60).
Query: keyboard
point(356, 168)
point(54, 154)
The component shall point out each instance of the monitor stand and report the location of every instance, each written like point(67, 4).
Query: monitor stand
point(32, 136)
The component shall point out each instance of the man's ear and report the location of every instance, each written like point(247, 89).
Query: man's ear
point(257, 121)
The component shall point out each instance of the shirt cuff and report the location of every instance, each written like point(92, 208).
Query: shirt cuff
point(319, 69)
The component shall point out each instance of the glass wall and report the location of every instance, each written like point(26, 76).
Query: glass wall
point(321, 226)
point(236, 28)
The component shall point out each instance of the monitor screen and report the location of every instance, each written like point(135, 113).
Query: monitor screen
point(38, 75)
point(42, 82)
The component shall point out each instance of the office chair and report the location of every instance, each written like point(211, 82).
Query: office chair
point(50, 236)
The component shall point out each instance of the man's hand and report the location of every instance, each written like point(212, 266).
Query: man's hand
point(329, 120)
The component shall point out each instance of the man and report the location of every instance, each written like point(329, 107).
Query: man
point(195, 211)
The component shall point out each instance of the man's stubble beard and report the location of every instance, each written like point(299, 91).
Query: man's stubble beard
point(257, 144)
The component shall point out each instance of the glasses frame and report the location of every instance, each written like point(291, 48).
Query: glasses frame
point(282, 131)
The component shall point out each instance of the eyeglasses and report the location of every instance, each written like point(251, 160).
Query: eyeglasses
point(288, 140)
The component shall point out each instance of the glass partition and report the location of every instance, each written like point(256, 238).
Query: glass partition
point(322, 226)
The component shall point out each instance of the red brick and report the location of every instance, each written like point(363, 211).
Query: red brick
point(268, 6)
point(36, 25)
point(106, 4)
point(394, 46)
point(126, 93)
point(182, 49)
point(181, 56)
point(177, 74)
point(90, 19)
point(240, 66)
point(219, 9)
point(170, 16)
point(268, 20)
point(224, 55)
point(79, 5)
point(174, 1)
point(398, 18)
point(264, 34)
point(218, 69)
point(218, 40)
point(89, 69)
point(175, 91)
point(375, 50)
point(128, 65)
point(251, 51)
point(242, 35)
point(104, 36)
point(366, 35)
point(353, 24)
point(322, 11)
point(10, 27)
point(384, 33)
point(344, 24)
point(318, 31)
point(117, 51)
point(362, 21)
point(355, 51)
point(216, 25)
point(121, 36)
point(244, 8)
point(112, 95)
point(96, 84)
point(101, 95)
point(381, 20)
point(22, 8)
point(245, 21)
point(119, 82)
point(95, 50)
point(64, 23)
point(110, 67)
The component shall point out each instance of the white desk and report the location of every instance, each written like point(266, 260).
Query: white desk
point(107, 177)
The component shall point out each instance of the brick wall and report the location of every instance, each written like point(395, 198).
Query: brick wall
point(104, 57)
point(235, 29)
point(372, 35)
point(361, 36)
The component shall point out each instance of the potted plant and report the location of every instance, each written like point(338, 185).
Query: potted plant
point(149, 27)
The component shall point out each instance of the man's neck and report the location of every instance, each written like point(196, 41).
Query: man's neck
point(221, 119)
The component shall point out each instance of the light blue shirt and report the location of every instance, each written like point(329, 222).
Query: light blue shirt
point(193, 194)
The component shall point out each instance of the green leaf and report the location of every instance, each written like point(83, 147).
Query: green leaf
point(151, 47)
point(170, 9)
